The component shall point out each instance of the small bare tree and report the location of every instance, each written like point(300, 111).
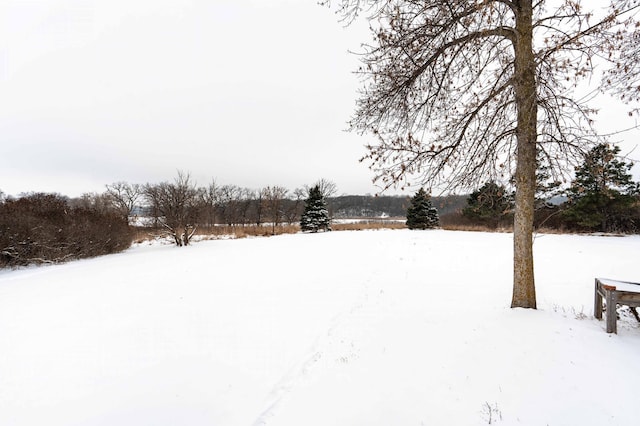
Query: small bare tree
point(209, 198)
point(295, 205)
point(124, 197)
point(458, 91)
point(327, 187)
point(229, 204)
point(99, 202)
point(175, 205)
point(273, 198)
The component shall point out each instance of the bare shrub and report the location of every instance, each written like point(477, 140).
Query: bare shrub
point(175, 206)
point(44, 228)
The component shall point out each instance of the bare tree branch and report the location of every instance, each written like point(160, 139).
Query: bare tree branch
point(456, 92)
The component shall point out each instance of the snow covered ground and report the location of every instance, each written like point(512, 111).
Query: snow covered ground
point(343, 328)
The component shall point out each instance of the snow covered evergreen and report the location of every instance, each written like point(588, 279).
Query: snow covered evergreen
point(421, 214)
point(315, 216)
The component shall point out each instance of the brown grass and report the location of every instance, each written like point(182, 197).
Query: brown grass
point(215, 232)
point(476, 228)
point(481, 228)
point(223, 231)
point(359, 226)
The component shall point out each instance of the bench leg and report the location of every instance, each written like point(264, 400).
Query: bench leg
point(611, 313)
point(597, 303)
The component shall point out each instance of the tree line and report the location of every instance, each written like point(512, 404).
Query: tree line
point(602, 198)
point(50, 228)
point(181, 207)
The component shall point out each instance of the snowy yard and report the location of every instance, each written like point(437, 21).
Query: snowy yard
point(343, 328)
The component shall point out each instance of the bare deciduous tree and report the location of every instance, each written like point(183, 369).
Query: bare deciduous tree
point(457, 92)
point(233, 204)
point(296, 204)
point(99, 202)
point(175, 206)
point(209, 197)
point(124, 197)
point(273, 198)
point(249, 209)
point(327, 188)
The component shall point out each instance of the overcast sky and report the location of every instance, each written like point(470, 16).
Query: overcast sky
point(246, 92)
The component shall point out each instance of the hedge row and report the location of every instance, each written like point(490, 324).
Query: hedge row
point(45, 228)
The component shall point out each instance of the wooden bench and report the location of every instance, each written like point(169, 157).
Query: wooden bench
point(614, 293)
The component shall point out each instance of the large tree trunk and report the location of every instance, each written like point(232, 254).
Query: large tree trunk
point(524, 292)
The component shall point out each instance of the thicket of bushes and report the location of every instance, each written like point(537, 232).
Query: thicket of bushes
point(46, 228)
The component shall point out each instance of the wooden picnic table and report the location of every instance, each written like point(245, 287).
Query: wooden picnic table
point(614, 293)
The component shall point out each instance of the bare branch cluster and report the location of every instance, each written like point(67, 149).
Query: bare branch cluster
point(438, 87)
point(124, 197)
point(175, 203)
point(623, 78)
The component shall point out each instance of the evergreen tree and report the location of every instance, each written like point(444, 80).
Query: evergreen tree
point(421, 214)
point(489, 205)
point(316, 215)
point(603, 197)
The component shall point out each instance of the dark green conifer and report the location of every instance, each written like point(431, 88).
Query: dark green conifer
point(421, 214)
point(603, 196)
point(490, 205)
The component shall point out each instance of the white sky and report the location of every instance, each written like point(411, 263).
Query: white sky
point(246, 92)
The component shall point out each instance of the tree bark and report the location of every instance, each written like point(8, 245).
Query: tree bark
point(524, 293)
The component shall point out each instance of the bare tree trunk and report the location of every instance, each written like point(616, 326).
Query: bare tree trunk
point(443, 78)
point(524, 293)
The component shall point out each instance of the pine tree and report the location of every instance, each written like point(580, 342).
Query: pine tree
point(421, 214)
point(315, 216)
point(489, 205)
point(603, 197)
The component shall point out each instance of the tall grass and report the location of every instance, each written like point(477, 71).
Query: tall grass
point(243, 231)
point(452, 222)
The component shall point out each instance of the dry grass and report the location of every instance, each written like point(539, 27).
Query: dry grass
point(547, 230)
point(258, 231)
point(501, 228)
point(224, 231)
point(476, 228)
point(361, 225)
